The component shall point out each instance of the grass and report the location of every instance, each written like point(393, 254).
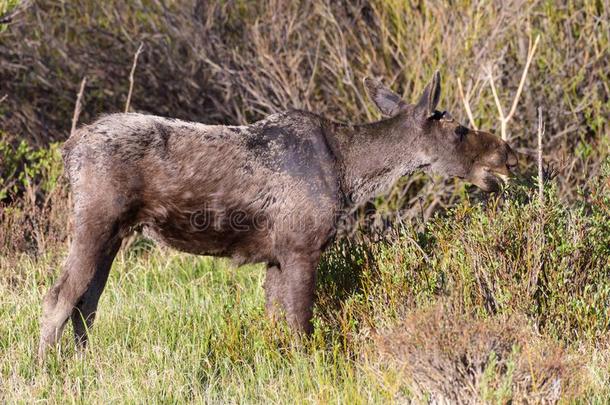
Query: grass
point(174, 328)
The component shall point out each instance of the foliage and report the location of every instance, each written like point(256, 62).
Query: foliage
point(24, 167)
point(512, 291)
point(550, 262)
point(34, 201)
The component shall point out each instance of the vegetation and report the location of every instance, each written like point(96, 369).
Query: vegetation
point(529, 315)
point(466, 297)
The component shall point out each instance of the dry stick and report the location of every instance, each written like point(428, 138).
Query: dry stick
point(465, 100)
point(133, 70)
point(540, 174)
point(540, 223)
point(77, 106)
point(3, 98)
point(505, 118)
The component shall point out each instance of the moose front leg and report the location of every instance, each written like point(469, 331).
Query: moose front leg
point(274, 291)
point(298, 274)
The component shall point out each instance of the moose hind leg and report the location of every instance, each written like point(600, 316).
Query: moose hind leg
point(83, 313)
point(84, 275)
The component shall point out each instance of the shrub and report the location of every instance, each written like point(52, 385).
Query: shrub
point(24, 167)
point(510, 255)
point(453, 358)
point(34, 202)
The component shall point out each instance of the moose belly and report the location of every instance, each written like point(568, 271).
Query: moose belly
point(203, 233)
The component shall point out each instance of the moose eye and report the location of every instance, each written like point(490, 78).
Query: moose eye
point(437, 115)
point(461, 131)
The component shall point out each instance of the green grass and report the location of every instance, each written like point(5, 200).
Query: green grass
point(173, 327)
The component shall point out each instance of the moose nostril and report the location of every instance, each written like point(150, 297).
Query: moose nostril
point(511, 159)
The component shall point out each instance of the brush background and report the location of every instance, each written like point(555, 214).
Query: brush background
point(174, 327)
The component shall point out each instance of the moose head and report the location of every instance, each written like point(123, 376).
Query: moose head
point(443, 145)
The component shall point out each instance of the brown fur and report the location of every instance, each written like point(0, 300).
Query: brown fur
point(269, 192)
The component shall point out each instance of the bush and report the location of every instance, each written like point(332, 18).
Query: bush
point(24, 167)
point(511, 255)
point(449, 358)
point(34, 203)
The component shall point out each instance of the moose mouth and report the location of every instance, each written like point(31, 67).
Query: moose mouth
point(493, 180)
point(488, 179)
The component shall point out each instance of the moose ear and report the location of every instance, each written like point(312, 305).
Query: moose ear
point(432, 93)
point(388, 102)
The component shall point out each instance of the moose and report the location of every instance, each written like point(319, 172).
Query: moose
point(271, 192)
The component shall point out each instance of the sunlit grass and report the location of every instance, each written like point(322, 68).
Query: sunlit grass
point(175, 328)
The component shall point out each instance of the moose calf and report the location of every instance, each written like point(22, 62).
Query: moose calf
point(269, 192)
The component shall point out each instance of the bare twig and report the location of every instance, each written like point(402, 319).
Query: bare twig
point(504, 119)
point(466, 101)
point(540, 171)
point(495, 93)
point(77, 107)
point(133, 70)
point(3, 98)
point(530, 56)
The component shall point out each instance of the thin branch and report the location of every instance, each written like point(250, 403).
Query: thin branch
point(77, 106)
point(504, 119)
point(530, 56)
point(466, 102)
point(495, 93)
point(540, 171)
point(3, 98)
point(133, 70)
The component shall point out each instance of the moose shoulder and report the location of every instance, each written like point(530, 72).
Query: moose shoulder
point(268, 192)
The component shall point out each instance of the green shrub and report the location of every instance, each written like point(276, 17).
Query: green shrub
point(24, 167)
point(509, 255)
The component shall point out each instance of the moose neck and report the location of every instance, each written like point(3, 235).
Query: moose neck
point(372, 157)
